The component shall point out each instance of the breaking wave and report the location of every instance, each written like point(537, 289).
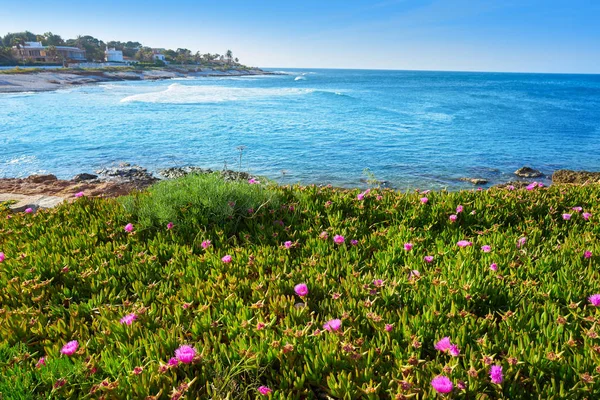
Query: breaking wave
point(182, 94)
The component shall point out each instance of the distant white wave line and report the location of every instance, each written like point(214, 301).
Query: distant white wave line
point(184, 94)
point(300, 78)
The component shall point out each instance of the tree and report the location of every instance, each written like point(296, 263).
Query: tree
point(52, 53)
point(50, 39)
point(144, 54)
point(229, 56)
point(94, 48)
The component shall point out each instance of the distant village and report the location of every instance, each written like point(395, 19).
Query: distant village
point(26, 48)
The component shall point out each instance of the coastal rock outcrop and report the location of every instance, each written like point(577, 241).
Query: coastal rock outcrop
point(475, 181)
point(20, 202)
point(84, 177)
point(126, 173)
point(576, 177)
point(227, 174)
point(42, 178)
point(527, 172)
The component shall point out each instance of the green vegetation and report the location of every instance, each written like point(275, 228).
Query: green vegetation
point(94, 50)
point(74, 272)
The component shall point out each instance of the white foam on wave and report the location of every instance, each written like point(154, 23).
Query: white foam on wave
point(22, 160)
point(182, 94)
point(300, 78)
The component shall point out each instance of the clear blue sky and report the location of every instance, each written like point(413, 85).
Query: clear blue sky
point(465, 35)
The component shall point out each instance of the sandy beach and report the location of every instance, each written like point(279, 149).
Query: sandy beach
point(57, 79)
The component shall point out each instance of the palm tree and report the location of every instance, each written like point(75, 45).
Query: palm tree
point(229, 56)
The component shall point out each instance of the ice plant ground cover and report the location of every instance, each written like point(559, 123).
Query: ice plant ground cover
point(156, 311)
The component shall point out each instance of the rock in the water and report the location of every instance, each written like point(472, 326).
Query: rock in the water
point(41, 178)
point(23, 202)
point(84, 177)
point(475, 181)
point(127, 174)
point(527, 172)
point(577, 177)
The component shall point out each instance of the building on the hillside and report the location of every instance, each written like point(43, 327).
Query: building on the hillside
point(113, 55)
point(34, 51)
point(157, 54)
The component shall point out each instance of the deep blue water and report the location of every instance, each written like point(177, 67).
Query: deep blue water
point(414, 129)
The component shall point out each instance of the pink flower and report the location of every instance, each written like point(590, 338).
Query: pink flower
point(453, 218)
point(354, 242)
point(260, 325)
point(379, 197)
point(510, 187)
point(378, 282)
point(29, 210)
point(425, 191)
point(173, 362)
point(205, 244)
point(170, 225)
point(253, 181)
point(459, 209)
point(424, 200)
point(494, 267)
point(443, 345)
point(486, 248)
point(128, 319)
point(442, 384)
point(577, 209)
point(41, 362)
point(532, 186)
point(595, 300)
point(587, 254)
point(323, 235)
point(79, 194)
point(454, 351)
point(138, 370)
point(185, 354)
point(129, 228)
point(464, 243)
point(360, 196)
point(226, 259)
point(566, 217)
point(540, 185)
point(265, 390)
point(586, 216)
point(2, 257)
point(70, 348)
point(301, 289)
point(332, 325)
point(288, 244)
point(496, 374)
point(408, 246)
point(388, 327)
point(414, 274)
point(521, 241)
point(338, 239)
point(428, 259)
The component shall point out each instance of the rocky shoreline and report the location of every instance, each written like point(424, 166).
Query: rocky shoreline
point(46, 191)
point(41, 81)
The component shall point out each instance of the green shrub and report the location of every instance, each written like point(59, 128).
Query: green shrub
point(198, 202)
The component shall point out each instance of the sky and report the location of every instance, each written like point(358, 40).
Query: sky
point(561, 36)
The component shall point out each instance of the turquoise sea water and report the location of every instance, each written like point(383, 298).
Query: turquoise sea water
point(413, 129)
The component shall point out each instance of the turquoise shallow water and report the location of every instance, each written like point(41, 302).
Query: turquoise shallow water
point(413, 129)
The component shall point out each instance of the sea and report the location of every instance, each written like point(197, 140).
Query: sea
point(406, 129)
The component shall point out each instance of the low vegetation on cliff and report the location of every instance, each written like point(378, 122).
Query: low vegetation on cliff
point(199, 288)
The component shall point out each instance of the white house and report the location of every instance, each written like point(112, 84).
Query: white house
point(113, 55)
point(157, 54)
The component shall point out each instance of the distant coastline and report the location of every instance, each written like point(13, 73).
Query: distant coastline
point(36, 80)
